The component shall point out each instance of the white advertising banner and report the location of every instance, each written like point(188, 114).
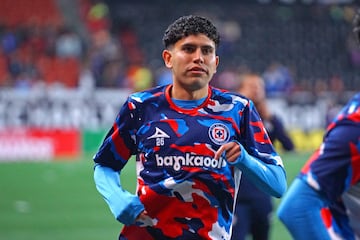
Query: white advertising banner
point(98, 109)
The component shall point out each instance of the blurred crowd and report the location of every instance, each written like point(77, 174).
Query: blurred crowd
point(109, 53)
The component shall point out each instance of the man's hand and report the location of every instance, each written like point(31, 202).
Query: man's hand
point(142, 216)
point(356, 23)
point(232, 151)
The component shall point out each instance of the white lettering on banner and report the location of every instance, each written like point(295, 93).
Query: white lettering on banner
point(306, 117)
point(60, 108)
point(25, 149)
point(189, 160)
point(98, 109)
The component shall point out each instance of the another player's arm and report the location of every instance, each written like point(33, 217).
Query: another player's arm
point(300, 209)
point(300, 212)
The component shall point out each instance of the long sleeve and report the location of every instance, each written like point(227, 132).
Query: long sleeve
point(123, 205)
point(267, 177)
point(300, 212)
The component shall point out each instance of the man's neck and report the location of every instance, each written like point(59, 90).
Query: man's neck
point(184, 94)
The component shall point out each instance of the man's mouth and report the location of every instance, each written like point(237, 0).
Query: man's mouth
point(198, 70)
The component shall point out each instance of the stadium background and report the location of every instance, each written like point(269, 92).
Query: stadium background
point(66, 67)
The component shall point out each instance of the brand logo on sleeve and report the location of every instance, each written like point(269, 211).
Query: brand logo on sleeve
point(219, 133)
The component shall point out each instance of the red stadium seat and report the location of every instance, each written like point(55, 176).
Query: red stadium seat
point(20, 12)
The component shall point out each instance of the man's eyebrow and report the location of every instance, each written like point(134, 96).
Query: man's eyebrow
point(195, 45)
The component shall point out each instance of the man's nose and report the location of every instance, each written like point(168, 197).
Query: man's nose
point(198, 56)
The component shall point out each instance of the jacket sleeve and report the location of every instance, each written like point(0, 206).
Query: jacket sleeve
point(259, 161)
point(123, 205)
point(300, 211)
point(269, 178)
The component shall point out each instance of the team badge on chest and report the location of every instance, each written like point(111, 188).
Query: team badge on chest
point(219, 133)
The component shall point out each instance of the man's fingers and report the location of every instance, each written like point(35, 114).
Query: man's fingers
point(142, 215)
point(231, 149)
point(219, 152)
point(232, 154)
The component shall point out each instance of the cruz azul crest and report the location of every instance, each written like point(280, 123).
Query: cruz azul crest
point(219, 133)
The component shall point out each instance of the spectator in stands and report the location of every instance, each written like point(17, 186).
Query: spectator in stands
point(278, 80)
point(254, 207)
point(9, 42)
point(69, 44)
point(106, 60)
point(37, 54)
point(96, 16)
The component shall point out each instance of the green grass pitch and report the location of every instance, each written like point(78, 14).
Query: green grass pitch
point(58, 200)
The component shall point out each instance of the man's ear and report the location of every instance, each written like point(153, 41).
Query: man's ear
point(166, 55)
point(217, 63)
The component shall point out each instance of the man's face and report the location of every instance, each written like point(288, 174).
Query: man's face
point(193, 61)
point(253, 88)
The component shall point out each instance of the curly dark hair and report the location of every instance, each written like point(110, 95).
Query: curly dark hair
point(190, 25)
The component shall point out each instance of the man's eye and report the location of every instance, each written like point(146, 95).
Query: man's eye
point(207, 51)
point(188, 49)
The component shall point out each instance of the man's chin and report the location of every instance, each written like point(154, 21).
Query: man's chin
point(198, 84)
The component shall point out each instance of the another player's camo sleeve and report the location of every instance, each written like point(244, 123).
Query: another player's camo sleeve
point(325, 177)
point(337, 167)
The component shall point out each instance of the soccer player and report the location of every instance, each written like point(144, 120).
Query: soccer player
point(254, 207)
point(192, 142)
point(329, 183)
point(323, 202)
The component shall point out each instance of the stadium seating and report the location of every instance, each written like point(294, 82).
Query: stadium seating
point(309, 39)
point(20, 12)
